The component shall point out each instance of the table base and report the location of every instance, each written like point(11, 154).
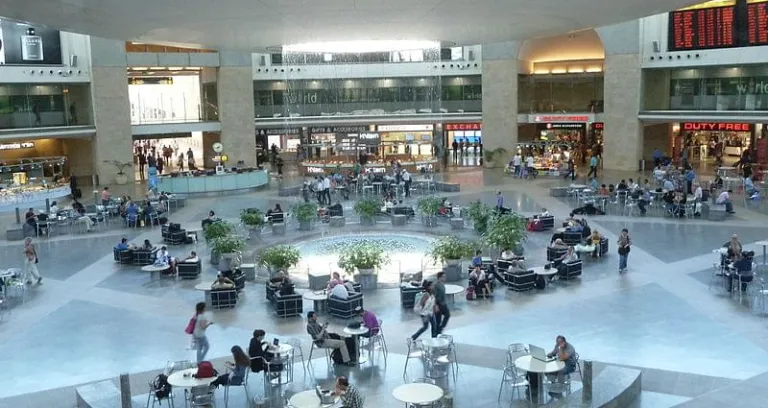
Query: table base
point(320, 305)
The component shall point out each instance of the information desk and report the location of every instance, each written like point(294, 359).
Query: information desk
point(25, 198)
point(213, 184)
point(316, 168)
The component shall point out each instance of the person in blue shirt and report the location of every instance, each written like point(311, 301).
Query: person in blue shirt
point(132, 208)
point(644, 200)
point(123, 245)
point(237, 369)
point(478, 259)
point(656, 157)
point(592, 166)
point(749, 187)
point(690, 175)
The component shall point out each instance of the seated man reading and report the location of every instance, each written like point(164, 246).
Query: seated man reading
point(565, 352)
point(323, 339)
point(192, 258)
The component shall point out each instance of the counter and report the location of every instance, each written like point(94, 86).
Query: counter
point(25, 198)
point(413, 167)
point(213, 184)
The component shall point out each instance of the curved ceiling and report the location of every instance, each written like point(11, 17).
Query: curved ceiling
point(581, 45)
point(252, 25)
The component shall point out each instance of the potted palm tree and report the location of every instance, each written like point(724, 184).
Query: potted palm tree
point(305, 213)
point(365, 257)
point(450, 250)
point(367, 208)
point(279, 258)
point(216, 230)
point(228, 247)
point(480, 215)
point(253, 218)
point(506, 231)
point(428, 207)
point(120, 178)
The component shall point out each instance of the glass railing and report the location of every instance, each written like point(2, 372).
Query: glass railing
point(32, 106)
point(559, 106)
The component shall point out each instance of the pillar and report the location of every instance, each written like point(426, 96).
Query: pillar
point(622, 90)
point(499, 79)
point(111, 109)
point(236, 108)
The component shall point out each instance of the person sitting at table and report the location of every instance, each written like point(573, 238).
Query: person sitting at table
point(147, 211)
point(132, 209)
point(594, 239)
point(643, 200)
point(54, 209)
point(725, 199)
point(603, 191)
point(632, 185)
point(560, 263)
point(335, 280)
point(222, 283)
point(479, 281)
point(742, 266)
point(369, 321)
point(749, 187)
point(349, 395)
point(734, 248)
point(258, 350)
point(147, 245)
point(559, 244)
point(237, 368)
point(30, 219)
point(323, 339)
point(282, 283)
point(566, 353)
point(77, 207)
point(105, 196)
point(165, 258)
point(668, 185)
point(622, 186)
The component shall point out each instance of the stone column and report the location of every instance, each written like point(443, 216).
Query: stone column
point(111, 109)
point(622, 90)
point(236, 108)
point(500, 69)
point(586, 380)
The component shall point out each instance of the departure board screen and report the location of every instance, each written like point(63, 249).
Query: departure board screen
point(702, 28)
point(757, 22)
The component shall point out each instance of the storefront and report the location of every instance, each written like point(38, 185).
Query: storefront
point(30, 180)
point(705, 139)
point(286, 139)
point(595, 133)
point(562, 128)
point(468, 133)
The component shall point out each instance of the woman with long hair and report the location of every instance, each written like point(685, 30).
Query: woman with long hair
point(202, 321)
point(237, 368)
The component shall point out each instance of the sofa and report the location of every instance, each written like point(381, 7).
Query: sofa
point(572, 270)
point(173, 236)
point(548, 222)
point(123, 257)
point(145, 256)
point(503, 265)
point(408, 294)
point(345, 308)
point(520, 281)
point(223, 298)
point(555, 253)
point(572, 237)
point(190, 270)
point(288, 305)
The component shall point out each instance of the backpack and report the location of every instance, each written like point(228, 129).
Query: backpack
point(161, 386)
point(470, 293)
point(417, 306)
point(191, 325)
point(205, 370)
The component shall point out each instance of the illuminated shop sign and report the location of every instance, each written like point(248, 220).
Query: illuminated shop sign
point(598, 125)
point(405, 128)
point(315, 170)
point(16, 146)
point(279, 131)
point(463, 126)
point(377, 169)
point(734, 127)
point(339, 129)
point(559, 118)
point(562, 125)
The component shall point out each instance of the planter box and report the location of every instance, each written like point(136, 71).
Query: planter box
point(254, 233)
point(457, 223)
point(305, 225)
point(215, 256)
point(337, 221)
point(368, 279)
point(249, 270)
point(399, 220)
point(278, 228)
point(452, 270)
point(226, 261)
point(430, 222)
point(367, 221)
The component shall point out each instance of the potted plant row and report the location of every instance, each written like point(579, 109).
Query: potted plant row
point(480, 215)
point(506, 231)
point(212, 231)
point(366, 209)
point(228, 247)
point(450, 250)
point(253, 218)
point(279, 258)
point(428, 207)
point(305, 213)
point(365, 257)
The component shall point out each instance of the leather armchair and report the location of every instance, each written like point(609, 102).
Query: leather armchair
point(223, 298)
point(270, 292)
point(122, 257)
point(190, 270)
point(572, 270)
point(344, 309)
point(547, 222)
point(603, 246)
point(520, 281)
point(572, 237)
point(288, 305)
point(145, 256)
point(408, 295)
point(555, 253)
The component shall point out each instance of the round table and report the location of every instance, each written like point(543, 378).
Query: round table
point(356, 333)
point(282, 349)
point(532, 365)
point(206, 288)
point(451, 291)
point(155, 270)
point(319, 298)
point(544, 273)
point(417, 393)
point(306, 399)
point(184, 379)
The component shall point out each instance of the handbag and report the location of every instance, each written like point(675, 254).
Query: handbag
point(191, 325)
point(624, 250)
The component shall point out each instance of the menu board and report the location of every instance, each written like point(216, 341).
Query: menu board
point(703, 28)
point(757, 22)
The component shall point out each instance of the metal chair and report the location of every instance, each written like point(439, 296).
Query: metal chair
point(450, 357)
point(132, 218)
point(207, 400)
point(514, 380)
point(296, 344)
point(244, 384)
point(578, 366)
point(379, 339)
point(415, 351)
point(152, 397)
point(327, 354)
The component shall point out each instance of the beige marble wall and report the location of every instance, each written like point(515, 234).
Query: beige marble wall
point(500, 104)
point(623, 139)
point(236, 113)
point(111, 115)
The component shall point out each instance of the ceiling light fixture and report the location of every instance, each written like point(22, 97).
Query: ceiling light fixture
point(559, 71)
point(595, 69)
point(541, 71)
point(575, 70)
point(360, 46)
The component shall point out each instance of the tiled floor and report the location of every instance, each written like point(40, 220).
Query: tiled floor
point(93, 319)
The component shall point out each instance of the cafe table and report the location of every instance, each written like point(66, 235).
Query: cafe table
point(185, 379)
point(529, 364)
point(309, 399)
point(417, 393)
point(356, 333)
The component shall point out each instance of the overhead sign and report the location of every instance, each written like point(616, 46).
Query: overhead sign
point(16, 146)
point(562, 125)
point(279, 131)
point(405, 128)
point(340, 129)
point(463, 126)
point(150, 81)
point(598, 125)
point(717, 126)
point(560, 118)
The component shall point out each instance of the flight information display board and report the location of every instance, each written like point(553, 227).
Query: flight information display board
point(757, 22)
point(698, 29)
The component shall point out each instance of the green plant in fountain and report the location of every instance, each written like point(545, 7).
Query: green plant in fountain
point(480, 214)
point(362, 255)
point(217, 229)
point(279, 257)
point(227, 244)
point(367, 207)
point(506, 231)
point(429, 205)
point(252, 217)
point(305, 211)
point(451, 248)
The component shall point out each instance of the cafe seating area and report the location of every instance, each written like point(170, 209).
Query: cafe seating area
point(140, 257)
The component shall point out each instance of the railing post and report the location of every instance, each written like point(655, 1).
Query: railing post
point(125, 391)
point(586, 373)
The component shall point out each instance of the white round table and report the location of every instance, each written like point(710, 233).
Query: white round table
point(185, 379)
point(155, 270)
point(532, 365)
point(356, 333)
point(206, 288)
point(281, 349)
point(417, 393)
point(435, 342)
point(306, 399)
point(319, 298)
point(451, 291)
point(545, 273)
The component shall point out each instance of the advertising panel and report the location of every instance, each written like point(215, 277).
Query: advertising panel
point(28, 44)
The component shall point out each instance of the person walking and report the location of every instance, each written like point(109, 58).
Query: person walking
point(592, 166)
point(443, 314)
point(406, 177)
point(425, 307)
point(571, 169)
point(30, 262)
point(624, 244)
point(142, 163)
point(202, 321)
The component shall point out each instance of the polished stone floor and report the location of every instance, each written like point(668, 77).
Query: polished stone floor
point(93, 319)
